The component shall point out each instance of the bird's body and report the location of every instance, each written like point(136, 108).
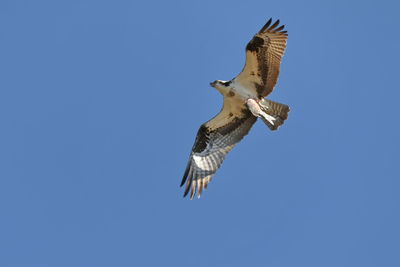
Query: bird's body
point(244, 101)
point(233, 89)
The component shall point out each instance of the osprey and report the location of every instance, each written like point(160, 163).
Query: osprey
point(244, 102)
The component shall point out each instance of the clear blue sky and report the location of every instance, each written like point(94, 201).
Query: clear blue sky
point(100, 102)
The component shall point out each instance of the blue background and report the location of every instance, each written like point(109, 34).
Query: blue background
point(100, 102)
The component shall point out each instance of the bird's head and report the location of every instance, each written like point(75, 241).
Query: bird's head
point(222, 86)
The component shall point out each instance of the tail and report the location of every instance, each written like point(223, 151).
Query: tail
point(275, 113)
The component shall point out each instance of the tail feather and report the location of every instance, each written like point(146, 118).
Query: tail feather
point(279, 113)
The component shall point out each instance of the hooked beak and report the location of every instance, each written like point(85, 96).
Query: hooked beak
point(213, 84)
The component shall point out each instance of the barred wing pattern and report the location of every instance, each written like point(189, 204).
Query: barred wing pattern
point(211, 147)
point(263, 58)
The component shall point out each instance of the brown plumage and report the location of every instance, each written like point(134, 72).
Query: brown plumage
point(219, 135)
point(263, 57)
point(214, 140)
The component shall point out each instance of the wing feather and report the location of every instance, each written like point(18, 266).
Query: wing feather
point(214, 140)
point(263, 59)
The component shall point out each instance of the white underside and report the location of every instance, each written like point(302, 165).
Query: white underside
point(245, 94)
point(242, 91)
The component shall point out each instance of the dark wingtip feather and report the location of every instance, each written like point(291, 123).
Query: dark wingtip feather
point(266, 25)
point(186, 189)
point(189, 182)
point(268, 28)
point(274, 25)
point(280, 28)
point(186, 174)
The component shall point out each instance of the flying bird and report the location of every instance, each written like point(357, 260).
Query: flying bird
point(244, 102)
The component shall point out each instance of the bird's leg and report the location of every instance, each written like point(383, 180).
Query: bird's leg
point(253, 106)
point(257, 110)
point(247, 100)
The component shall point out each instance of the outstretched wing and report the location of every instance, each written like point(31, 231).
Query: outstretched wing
point(214, 140)
point(263, 59)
